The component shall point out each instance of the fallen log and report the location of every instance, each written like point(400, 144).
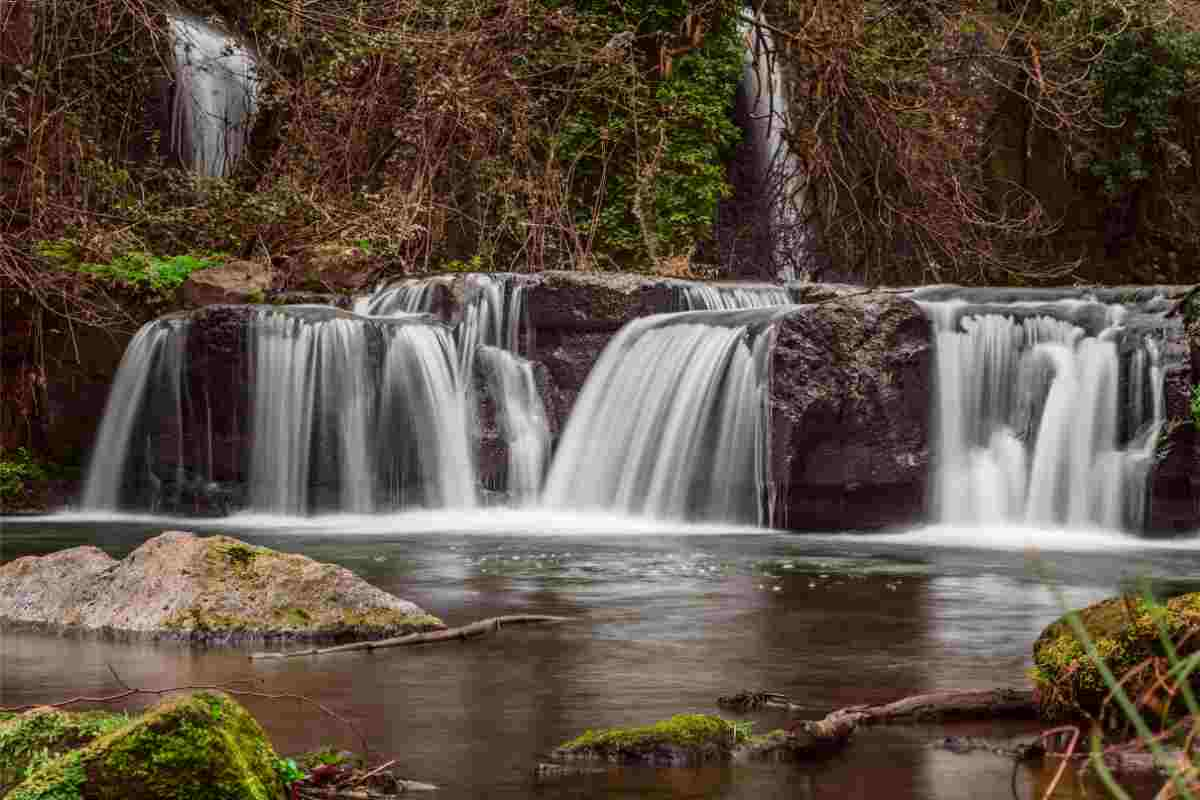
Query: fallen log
point(472, 631)
point(949, 704)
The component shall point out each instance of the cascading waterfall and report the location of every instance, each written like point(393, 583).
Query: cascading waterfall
point(1048, 413)
point(216, 88)
point(345, 413)
point(490, 340)
point(154, 358)
point(671, 422)
point(689, 296)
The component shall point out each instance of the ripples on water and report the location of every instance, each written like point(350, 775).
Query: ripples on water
point(665, 620)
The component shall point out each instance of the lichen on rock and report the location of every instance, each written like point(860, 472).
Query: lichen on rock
point(1126, 636)
point(213, 589)
point(202, 746)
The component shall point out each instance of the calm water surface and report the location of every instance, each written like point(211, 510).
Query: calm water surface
point(663, 621)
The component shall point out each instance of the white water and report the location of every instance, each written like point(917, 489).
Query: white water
point(408, 296)
point(780, 174)
point(345, 413)
point(716, 297)
point(1031, 415)
point(216, 89)
point(671, 422)
point(154, 357)
point(522, 418)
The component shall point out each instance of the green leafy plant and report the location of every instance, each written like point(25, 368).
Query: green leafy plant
point(1196, 406)
point(18, 468)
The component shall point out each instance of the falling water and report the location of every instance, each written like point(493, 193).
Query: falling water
point(671, 422)
point(345, 413)
point(215, 95)
point(1048, 413)
point(491, 333)
point(778, 179)
point(690, 296)
point(154, 358)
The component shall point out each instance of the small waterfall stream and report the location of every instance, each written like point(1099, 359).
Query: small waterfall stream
point(1048, 412)
point(216, 92)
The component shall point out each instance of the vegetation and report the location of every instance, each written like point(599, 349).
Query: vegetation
point(201, 746)
point(16, 470)
point(1196, 407)
point(29, 742)
point(697, 735)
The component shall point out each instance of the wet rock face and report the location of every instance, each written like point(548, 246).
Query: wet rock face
point(235, 282)
point(850, 394)
point(213, 589)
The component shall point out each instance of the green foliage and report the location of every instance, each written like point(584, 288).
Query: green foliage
point(289, 771)
point(30, 742)
point(1195, 408)
point(134, 268)
point(18, 468)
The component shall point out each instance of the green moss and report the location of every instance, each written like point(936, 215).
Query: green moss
point(1125, 633)
point(29, 741)
point(1195, 407)
point(200, 747)
point(699, 736)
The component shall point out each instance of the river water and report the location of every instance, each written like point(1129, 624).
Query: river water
point(663, 621)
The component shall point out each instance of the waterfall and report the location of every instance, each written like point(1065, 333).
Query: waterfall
point(491, 332)
point(339, 412)
point(689, 296)
point(671, 422)
point(777, 179)
point(154, 358)
point(1048, 413)
point(216, 89)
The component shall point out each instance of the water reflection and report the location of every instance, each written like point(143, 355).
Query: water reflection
point(661, 625)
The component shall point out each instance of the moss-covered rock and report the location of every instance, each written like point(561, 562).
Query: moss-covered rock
point(1069, 684)
point(29, 741)
point(203, 746)
point(683, 739)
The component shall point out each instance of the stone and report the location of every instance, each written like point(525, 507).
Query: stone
point(234, 282)
point(595, 301)
point(214, 589)
point(1125, 633)
point(330, 267)
point(203, 745)
point(682, 740)
point(28, 740)
point(849, 404)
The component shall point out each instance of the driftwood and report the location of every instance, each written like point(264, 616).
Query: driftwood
point(950, 704)
point(472, 631)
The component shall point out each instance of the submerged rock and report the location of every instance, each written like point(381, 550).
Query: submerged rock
point(682, 740)
point(1126, 636)
point(200, 746)
point(686, 740)
point(213, 589)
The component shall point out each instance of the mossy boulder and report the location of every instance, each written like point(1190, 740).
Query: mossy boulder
point(203, 746)
point(28, 741)
point(1126, 636)
point(684, 739)
point(212, 589)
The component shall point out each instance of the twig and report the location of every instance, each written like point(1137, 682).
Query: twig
point(472, 631)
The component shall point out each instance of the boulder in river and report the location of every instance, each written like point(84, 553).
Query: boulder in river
point(1126, 636)
point(213, 589)
point(199, 745)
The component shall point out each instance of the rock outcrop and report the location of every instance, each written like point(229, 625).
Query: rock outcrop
point(213, 589)
point(235, 282)
point(849, 399)
point(200, 745)
point(1175, 482)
